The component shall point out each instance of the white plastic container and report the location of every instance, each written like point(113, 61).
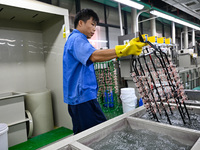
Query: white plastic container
point(129, 99)
point(3, 136)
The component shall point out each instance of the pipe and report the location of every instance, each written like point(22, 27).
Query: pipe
point(181, 40)
point(137, 18)
point(148, 19)
point(193, 38)
point(120, 19)
point(153, 27)
point(133, 20)
point(186, 37)
point(125, 23)
point(173, 33)
point(107, 30)
point(182, 37)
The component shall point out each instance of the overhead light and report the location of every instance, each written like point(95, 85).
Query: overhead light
point(131, 4)
point(162, 15)
point(100, 41)
point(168, 17)
point(186, 24)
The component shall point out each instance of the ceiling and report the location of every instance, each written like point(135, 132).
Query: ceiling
point(186, 9)
point(23, 15)
point(191, 7)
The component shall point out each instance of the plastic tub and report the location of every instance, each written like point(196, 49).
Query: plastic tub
point(129, 99)
point(3, 136)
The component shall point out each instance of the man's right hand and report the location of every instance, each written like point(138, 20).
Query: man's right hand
point(134, 47)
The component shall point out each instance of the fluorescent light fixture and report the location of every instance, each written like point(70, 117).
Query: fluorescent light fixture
point(162, 15)
point(98, 41)
point(186, 24)
point(131, 4)
point(168, 17)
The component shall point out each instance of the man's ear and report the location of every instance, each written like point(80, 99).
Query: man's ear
point(80, 23)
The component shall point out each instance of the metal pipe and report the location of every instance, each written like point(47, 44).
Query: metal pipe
point(186, 37)
point(125, 23)
point(133, 20)
point(182, 37)
point(120, 19)
point(181, 40)
point(107, 30)
point(193, 38)
point(153, 27)
point(137, 18)
point(148, 19)
point(173, 33)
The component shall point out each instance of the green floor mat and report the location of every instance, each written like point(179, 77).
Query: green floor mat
point(43, 139)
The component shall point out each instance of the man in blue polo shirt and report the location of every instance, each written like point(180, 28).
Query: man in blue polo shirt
point(79, 80)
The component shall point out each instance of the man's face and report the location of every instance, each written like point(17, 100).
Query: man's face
point(87, 28)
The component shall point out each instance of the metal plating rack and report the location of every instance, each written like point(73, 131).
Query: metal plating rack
point(159, 84)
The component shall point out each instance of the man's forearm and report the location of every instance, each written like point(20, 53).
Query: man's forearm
point(103, 55)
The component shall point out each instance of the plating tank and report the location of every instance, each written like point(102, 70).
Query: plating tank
point(86, 138)
point(193, 96)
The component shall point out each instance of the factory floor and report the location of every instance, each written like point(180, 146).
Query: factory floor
point(43, 139)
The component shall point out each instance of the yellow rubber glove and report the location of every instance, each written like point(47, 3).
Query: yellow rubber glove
point(134, 47)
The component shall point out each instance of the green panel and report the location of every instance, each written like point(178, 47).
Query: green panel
point(43, 139)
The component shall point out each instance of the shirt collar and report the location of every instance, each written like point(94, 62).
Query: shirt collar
point(77, 31)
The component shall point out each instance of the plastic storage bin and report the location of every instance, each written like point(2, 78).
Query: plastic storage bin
point(3, 136)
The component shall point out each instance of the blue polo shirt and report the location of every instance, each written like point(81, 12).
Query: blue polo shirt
point(79, 79)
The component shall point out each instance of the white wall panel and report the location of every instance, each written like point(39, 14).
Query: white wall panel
point(21, 60)
point(53, 49)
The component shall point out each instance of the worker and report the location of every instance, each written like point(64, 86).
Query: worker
point(79, 79)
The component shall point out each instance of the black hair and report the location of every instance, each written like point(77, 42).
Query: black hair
point(85, 14)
